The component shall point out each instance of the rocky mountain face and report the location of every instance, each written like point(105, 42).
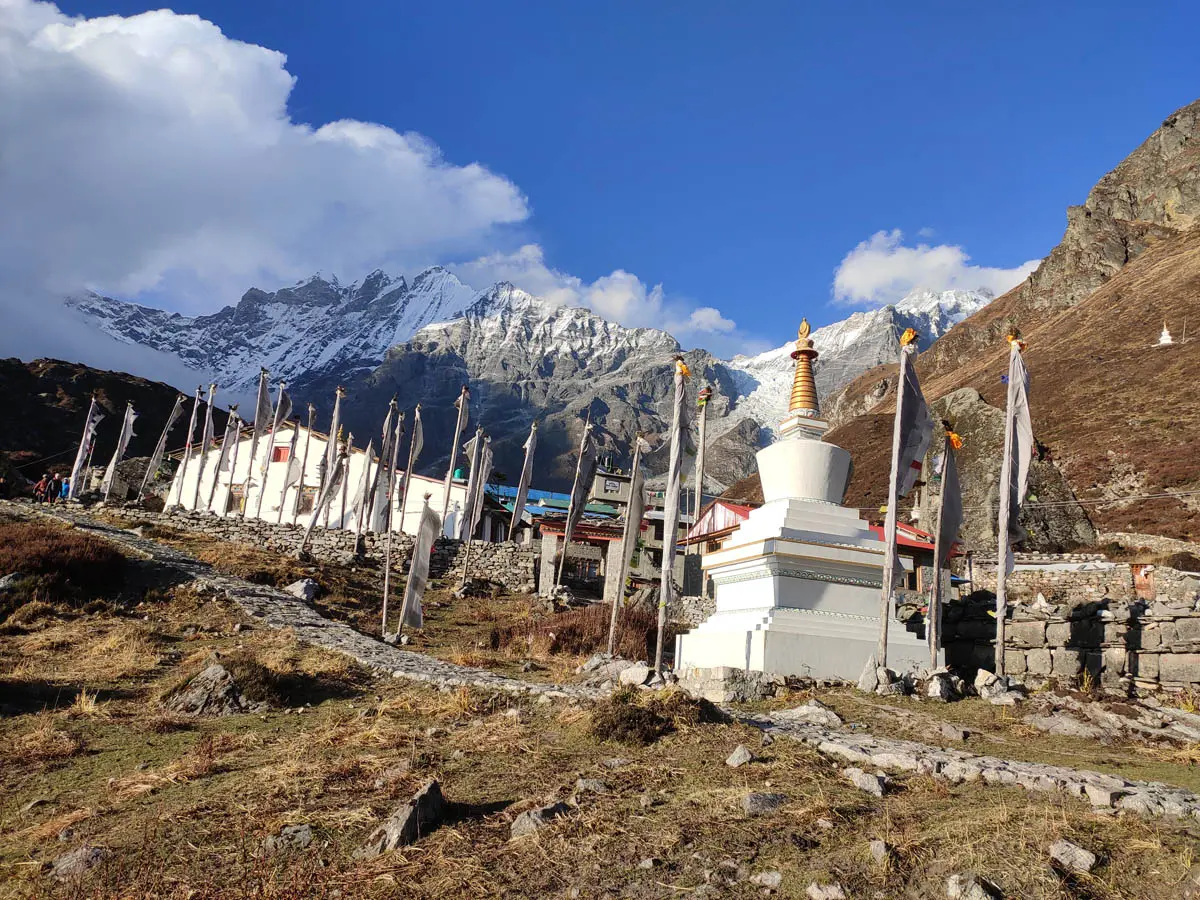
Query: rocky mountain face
point(317, 327)
point(524, 359)
point(1114, 412)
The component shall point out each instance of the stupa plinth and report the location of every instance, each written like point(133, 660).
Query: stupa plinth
point(797, 584)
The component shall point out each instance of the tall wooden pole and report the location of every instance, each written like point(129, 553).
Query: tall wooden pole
point(312, 412)
point(346, 478)
point(627, 537)
point(570, 507)
point(889, 528)
point(387, 544)
point(934, 626)
point(408, 468)
point(464, 399)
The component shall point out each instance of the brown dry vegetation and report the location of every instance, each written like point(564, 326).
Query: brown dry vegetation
point(87, 756)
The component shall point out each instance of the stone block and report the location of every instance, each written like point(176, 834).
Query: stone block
point(1014, 662)
point(1188, 628)
point(1038, 662)
point(1145, 665)
point(1115, 662)
point(1058, 634)
point(1182, 667)
point(1115, 633)
point(1065, 663)
point(1093, 663)
point(1025, 634)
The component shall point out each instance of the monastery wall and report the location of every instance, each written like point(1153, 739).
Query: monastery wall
point(507, 563)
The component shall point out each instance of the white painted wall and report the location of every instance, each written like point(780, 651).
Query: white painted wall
point(183, 486)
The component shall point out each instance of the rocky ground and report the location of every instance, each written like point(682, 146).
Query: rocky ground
point(179, 730)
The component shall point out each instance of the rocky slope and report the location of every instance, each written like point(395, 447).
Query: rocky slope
point(47, 402)
point(1115, 413)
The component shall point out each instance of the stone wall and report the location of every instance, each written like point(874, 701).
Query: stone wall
point(1094, 581)
point(1071, 626)
point(508, 564)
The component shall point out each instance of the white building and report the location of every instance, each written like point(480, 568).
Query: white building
point(228, 494)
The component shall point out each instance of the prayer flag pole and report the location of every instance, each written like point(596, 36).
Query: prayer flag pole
point(463, 403)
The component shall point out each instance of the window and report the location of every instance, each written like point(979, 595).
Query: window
point(308, 499)
point(658, 531)
point(280, 454)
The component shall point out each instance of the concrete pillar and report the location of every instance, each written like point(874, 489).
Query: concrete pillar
point(546, 576)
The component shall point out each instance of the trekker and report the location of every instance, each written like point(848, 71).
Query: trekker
point(39, 489)
point(65, 494)
point(55, 489)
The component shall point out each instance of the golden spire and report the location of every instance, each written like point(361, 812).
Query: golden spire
point(804, 388)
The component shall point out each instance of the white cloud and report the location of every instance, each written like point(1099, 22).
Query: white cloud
point(882, 269)
point(620, 296)
point(153, 153)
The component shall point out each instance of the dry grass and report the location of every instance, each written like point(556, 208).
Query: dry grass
point(57, 563)
point(45, 742)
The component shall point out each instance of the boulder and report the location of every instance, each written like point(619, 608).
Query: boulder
point(423, 813)
point(635, 675)
point(535, 819)
point(77, 863)
point(966, 886)
point(814, 712)
point(1072, 857)
point(739, 757)
point(825, 892)
point(941, 687)
point(868, 681)
point(306, 589)
point(771, 879)
point(865, 781)
point(213, 692)
point(881, 852)
point(290, 837)
point(9, 581)
point(760, 804)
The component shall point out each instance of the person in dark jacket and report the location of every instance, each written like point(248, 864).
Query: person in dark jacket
point(55, 488)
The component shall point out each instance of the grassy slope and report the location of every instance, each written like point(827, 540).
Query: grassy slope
point(185, 805)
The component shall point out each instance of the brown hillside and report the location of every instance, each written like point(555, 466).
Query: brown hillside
point(47, 402)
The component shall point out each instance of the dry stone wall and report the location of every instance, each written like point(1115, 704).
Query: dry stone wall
point(1087, 625)
point(508, 564)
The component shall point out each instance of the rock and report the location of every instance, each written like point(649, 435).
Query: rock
point(213, 692)
point(650, 862)
point(865, 781)
point(77, 862)
point(9, 581)
point(869, 679)
point(615, 762)
point(825, 892)
point(966, 886)
point(739, 757)
point(760, 804)
point(825, 824)
point(814, 712)
point(590, 786)
point(636, 674)
point(534, 819)
point(306, 589)
point(1064, 725)
point(423, 813)
point(984, 681)
point(890, 689)
point(1006, 698)
point(881, 852)
point(1072, 857)
point(771, 879)
point(954, 732)
point(1101, 796)
point(290, 837)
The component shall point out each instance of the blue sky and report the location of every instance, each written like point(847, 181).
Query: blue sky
point(735, 154)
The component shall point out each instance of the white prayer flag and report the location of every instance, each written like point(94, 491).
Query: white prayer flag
point(119, 452)
point(526, 479)
point(463, 405)
point(952, 507)
point(585, 474)
point(411, 614)
point(94, 415)
point(159, 448)
point(1020, 453)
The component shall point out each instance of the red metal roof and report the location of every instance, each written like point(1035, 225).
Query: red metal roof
point(908, 536)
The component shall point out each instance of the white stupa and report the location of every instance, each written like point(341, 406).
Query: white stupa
point(1165, 338)
point(798, 583)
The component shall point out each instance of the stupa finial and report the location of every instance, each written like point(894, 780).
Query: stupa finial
point(804, 386)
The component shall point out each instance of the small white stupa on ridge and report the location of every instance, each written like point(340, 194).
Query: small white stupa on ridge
point(1165, 338)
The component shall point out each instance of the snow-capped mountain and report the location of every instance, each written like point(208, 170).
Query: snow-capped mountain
point(850, 347)
point(523, 357)
point(313, 328)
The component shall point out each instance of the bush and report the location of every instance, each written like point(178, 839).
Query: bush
point(583, 632)
point(58, 564)
point(634, 716)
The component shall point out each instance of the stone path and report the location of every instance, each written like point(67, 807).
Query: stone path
point(281, 610)
point(1104, 792)
point(278, 609)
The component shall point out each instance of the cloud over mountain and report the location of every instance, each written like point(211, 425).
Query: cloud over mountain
point(882, 269)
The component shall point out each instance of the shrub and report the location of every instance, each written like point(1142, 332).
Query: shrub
point(634, 716)
point(585, 631)
point(58, 564)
